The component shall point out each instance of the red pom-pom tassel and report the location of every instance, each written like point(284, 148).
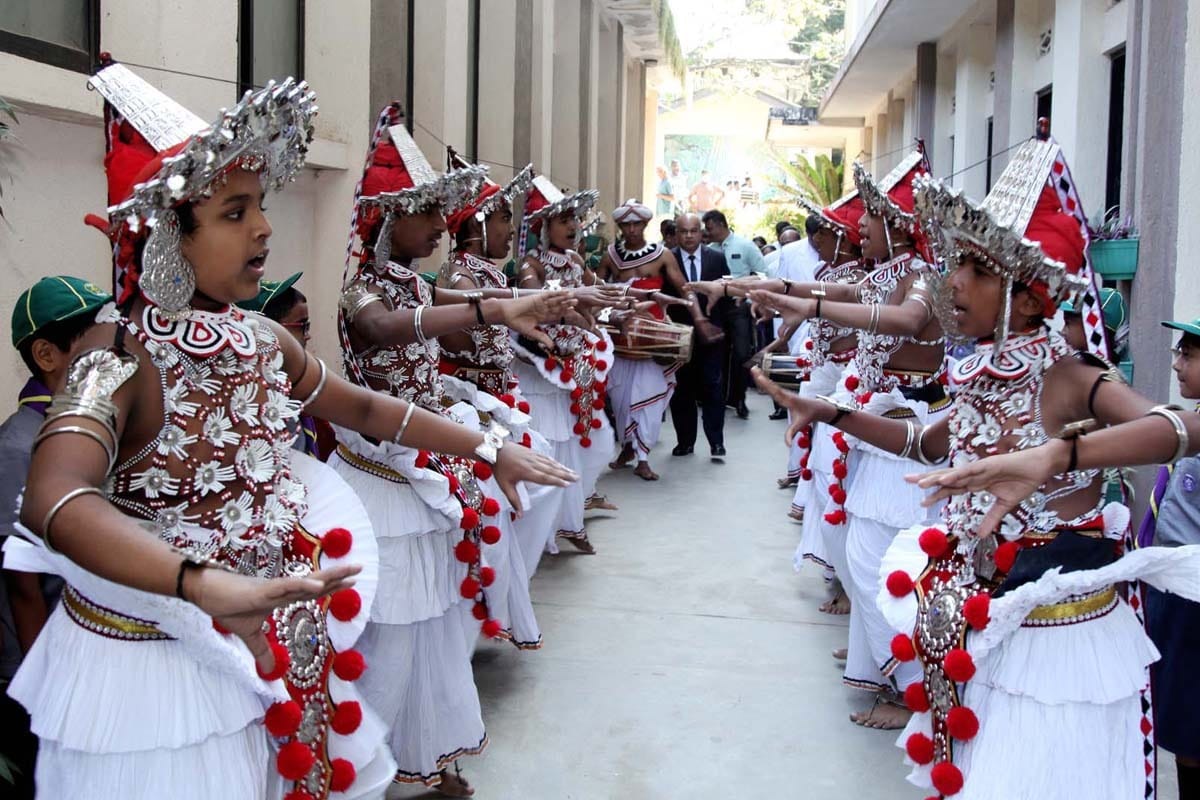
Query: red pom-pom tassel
point(282, 662)
point(566, 375)
point(598, 404)
point(487, 576)
point(596, 423)
point(342, 775)
point(809, 344)
point(976, 609)
point(902, 647)
point(491, 628)
point(469, 588)
point(1006, 555)
point(299, 794)
point(294, 761)
point(947, 778)
point(466, 551)
point(585, 442)
point(490, 506)
point(840, 470)
point(283, 719)
point(576, 393)
point(933, 542)
point(422, 459)
point(919, 748)
point(602, 345)
point(470, 519)
point(508, 400)
point(523, 406)
point(349, 665)
point(346, 718)
point(852, 382)
point(551, 363)
point(916, 699)
point(962, 724)
point(958, 665)
point(345, 604)
point(490, 534)
point(806, 475)
point(579, 428)
point(482, 470)
point(837, 494)
point(337, 542)
point(479, 611)
point(836, 517)
point(899, 584)
point(526, 440)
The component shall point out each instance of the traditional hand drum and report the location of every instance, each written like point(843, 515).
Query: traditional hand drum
point(646, 338)
point(783, 369)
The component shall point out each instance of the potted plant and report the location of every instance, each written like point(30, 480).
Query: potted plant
point(1114, 247)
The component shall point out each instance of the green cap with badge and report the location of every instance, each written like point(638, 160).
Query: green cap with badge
point(52, 300)
point(268, 291)
point(1192, 327)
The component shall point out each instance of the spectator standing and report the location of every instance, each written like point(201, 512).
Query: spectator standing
point(669, 233)
point(664, 194)
point(749, 195)
point(705, 195)
point(679, 186)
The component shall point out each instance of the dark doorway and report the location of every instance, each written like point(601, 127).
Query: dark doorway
point(1116, 128)
point(1045, 104)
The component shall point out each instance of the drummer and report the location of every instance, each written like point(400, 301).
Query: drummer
point(639, 387)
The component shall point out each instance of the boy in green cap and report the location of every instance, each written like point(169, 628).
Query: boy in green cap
point(47, 321)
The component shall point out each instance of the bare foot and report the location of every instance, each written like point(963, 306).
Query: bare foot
point(580, 542)
point(786, 483)
point(598, 501)
point(624, 459)
point(841, 653)
point(644, 472)
point(454, 786)
point(883, 716)
point(839, 605)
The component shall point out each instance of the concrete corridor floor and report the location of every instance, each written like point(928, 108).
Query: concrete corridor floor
point(686, 659)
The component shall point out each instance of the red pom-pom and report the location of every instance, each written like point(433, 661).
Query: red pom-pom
point(566, 375)
point(551, 363)
point(576, 393)
point(452, 484)
point(804, 461)
point(337, 542)
point(839, 441)
point(294, 761)
point(487, 576)
point(806, 474)
point(902, 647)
point(491, 628)
point(899, 584)
point(1005, 555)
point(508, 400)
point(946, 778)
point(598, 404)
point(804, 440)
point(585, 442)
point(299, 794)
point(838, 495)
point(479, 611)
point(345, 604)
point(470, 519)
point(490, 534)
point(602, 345)
point(958, 665)
point(469, 588)
point(523, 406)
point(490, 506)
point(865, 398)
point(809, 345)
point(349, 665)
point(282, 662)
point(976, 609)
point(933, 542)
point(851, 382)
point(837, 517)
point(343, 775)
point(601, 366)
point(962, 723)
point(596, 423)
point(283, 719)
point(346, 717)
point(801, 363)
point(422, 459)
point(840, 471)
point(466, 551)
point(482, 470)
point(526, 440)
point(575, 409)
point(919, 748)
point(916, 699)
point(579, 429)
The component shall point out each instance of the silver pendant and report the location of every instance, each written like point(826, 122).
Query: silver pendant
point(167, 280)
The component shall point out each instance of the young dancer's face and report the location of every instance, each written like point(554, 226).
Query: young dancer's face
point(228, 248)
point(1073, 331)
point(499, 232)
point(634, 232)
point(825, 241)
point(977, 296)
point(874, 240)
point(417, 235)
point(562, 231)
point(1186, 364)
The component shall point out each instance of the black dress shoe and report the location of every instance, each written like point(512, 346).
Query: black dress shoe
point(718, 451)
point(779, 413)
point(742, 411)
point(682, 450)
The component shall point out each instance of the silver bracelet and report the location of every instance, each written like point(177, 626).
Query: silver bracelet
point(109, 448)
point(320, 387)
point(404, 423)
point(1181, 432)
point(54, 509)
point(920, 454)
point(873, 324)
point(909, 438)
point(417, 329)
point(516, 293)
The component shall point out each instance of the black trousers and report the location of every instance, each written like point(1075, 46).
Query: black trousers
point(739, 332)
point(701, 382)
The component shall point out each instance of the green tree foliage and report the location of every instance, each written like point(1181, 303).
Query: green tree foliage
point(819, 180)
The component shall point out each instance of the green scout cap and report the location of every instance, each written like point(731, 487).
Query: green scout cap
point(1112, 307)
point(268, 291)
point(1192, 327)
point(53, 300)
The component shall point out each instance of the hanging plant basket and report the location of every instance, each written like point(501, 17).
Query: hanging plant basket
point(1115, 259)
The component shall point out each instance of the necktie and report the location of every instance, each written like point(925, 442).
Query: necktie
point(693, 273)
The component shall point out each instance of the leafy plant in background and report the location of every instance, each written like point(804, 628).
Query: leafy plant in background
point(819, 180)
point(1109, 226)
point(6, 133)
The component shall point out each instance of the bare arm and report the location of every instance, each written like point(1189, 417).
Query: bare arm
point(907, 319)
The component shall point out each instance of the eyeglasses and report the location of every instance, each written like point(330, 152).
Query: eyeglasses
point(304, 326)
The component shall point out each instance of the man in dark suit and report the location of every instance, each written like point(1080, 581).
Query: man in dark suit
point(701, 380)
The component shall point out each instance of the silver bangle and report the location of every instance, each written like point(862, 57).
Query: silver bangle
point(910, 437)
point(787, 286)
point(920, 454)
point(54, 509)
point(417, 329)
point(404, 423)
point(516, 293)
point(1181, 432)
point(873, 324)
point(109, 447)
point(320, 387)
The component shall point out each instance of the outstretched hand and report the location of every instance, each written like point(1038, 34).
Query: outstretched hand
point(524, 313)
point(802, 411)
point(516, 463)
point(713, 290)
point(240, 603)
point(794, 310)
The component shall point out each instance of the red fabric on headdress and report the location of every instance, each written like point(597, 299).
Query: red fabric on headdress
point(456, 220)
point(387, 172)
point(847, 216)
point(536, 200)
point(902, 193)
point(1059, 236)
point(125, 162)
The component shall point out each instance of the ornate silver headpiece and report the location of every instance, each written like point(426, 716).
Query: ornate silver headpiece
point(875, 193)
point(450, 190)
point(557, 203)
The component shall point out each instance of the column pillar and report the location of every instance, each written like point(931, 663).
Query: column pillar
point(970, 116)
point(498, 86)
point(1081, 93)
point(925, 95)
point(566, 104)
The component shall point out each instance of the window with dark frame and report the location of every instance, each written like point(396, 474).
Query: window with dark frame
point(62, 33)
point(270, 41)
point(1116, 128)
point(473, 12)
point(1045, 105)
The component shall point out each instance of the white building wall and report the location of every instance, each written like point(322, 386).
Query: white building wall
point(1187, 277)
